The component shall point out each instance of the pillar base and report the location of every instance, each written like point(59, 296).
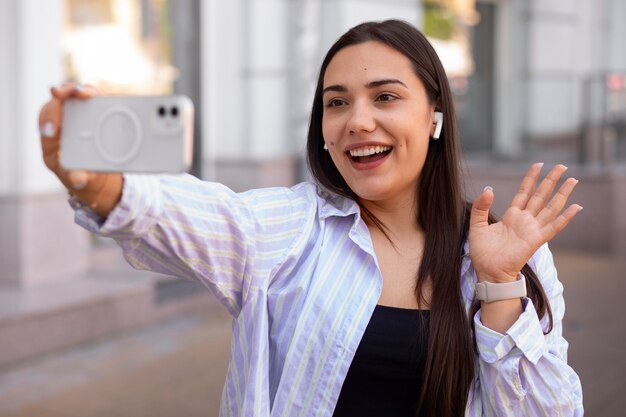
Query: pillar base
point(40, 244)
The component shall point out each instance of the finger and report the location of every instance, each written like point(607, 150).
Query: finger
point(538, 200)
point(51, 114)
point(527, 186)
point(51, 119)
point(557, 202)
point(49, 123)
point(553, 228)
point(74, 90)
point(78, 180)
point(479, 216)
point(64, 90)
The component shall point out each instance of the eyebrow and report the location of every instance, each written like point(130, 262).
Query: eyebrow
point(372, 84)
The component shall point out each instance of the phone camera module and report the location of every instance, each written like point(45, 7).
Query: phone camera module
point(161, 110)
point(174, 111)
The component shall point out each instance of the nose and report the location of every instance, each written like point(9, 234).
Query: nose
point(361, 119)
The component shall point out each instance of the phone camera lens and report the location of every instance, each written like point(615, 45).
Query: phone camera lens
point(174, 111)
point(161, 111)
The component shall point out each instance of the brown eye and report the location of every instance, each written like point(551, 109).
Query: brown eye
point(335, 103)
point(386, 97)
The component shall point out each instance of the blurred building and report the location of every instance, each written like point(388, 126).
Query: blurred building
point(548, 84)
point(533, 80)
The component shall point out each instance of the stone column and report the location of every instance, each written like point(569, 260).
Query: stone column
point(510, 96)
point(39, 243)
point(244, 93)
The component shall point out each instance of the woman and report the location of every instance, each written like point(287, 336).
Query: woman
point(358, 294)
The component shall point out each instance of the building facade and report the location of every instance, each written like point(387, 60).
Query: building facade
point(547, 83)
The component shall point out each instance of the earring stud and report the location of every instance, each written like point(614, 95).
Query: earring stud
point(325, 147)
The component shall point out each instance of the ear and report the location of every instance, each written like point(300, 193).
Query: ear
point(438, 124)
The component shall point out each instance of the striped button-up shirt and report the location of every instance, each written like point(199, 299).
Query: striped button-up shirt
point(296, 269)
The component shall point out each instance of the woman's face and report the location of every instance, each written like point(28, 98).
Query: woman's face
point(377, 121)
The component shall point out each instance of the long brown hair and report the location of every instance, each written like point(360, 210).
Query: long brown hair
point(442, 212)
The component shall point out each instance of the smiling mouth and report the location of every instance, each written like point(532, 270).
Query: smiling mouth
point(369, 153)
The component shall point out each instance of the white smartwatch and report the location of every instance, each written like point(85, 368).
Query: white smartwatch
point(490, 292)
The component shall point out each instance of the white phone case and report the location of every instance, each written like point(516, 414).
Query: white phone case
point(128, 134)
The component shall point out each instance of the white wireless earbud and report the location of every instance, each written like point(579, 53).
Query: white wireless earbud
point(325, 147)
point(439, 122)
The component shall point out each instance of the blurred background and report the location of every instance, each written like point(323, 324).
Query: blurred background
point(83, 334)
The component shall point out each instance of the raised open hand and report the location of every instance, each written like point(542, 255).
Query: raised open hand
point(498, 251)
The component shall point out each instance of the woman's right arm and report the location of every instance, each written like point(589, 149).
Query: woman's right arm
point(234, 243)
point(100, 191)
point(182, 226)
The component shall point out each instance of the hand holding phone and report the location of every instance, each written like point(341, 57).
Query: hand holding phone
point(99, 190)
point(128, 134)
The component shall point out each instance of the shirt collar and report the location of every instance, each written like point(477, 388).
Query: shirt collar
point(336, 205)
point(340, 206)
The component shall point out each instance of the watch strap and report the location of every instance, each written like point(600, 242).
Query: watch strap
point(490, 291)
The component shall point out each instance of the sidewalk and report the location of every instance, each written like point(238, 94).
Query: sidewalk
point(178, 367)
point(594, 325)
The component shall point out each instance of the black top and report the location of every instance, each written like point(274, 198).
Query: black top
point(385, 376)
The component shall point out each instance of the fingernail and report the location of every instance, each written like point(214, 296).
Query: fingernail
point(78, 179)
point(47, 130)
point(79, 88)
point(490, 188)
point(580, 209)
point(541, 164)
point(79, 184)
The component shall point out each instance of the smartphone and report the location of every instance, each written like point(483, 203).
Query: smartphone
point(147, 134)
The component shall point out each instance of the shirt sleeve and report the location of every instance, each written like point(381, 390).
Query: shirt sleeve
point(524, 372)
point(185, 227)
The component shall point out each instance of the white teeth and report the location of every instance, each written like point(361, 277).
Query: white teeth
point(369, 150)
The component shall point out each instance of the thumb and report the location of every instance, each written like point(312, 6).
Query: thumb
point(78, 179)
point(480, 208)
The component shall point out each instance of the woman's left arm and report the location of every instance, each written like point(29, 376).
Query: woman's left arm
point(523, 372)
